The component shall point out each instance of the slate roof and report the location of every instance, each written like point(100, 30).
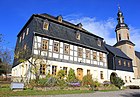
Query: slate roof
point(116, 52)
point(65, 23)
point(65, 31)
point(124, 42)
point(137, 54)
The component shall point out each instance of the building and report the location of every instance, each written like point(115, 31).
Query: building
point(125, 44)
point(63, 45)
point(119, 64)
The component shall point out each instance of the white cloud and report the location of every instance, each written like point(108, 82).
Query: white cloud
point(104, 28)
point(135, 37)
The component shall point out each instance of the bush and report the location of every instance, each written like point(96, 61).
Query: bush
point(118, 82)
point(87, 80)
point(42, 82)
point(52, 81)
point(71, 76)
point(134, 87)
point(106, 83)
point(96, 84)
point(61, 74)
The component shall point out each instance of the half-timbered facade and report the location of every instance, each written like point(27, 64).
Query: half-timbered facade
point(63, 46)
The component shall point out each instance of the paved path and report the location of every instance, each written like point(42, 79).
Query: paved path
point(123, 93)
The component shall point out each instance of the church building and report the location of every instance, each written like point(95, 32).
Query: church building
point(60, 44)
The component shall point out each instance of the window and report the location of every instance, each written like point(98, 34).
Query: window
point(54, 69)
point(25, 46)
point(124, 63)
point(46, 25)
point(60, 18)
point(42, 69)
point(20, 39)
point(94, 55)
point(23, 36)
point(79, 25)
point(99, 42)
point(127, 36)
point(80, 52)
point(128, 64)
point(119, 37)
point(88, 54)
point(66, 49)
point(130, 79)
point(119, 62)
point(56, 47)
point(88, 72)
point(65, 70)
point(101, 56)
point(44, 44)
point(77, 35)
point(101, 75)
point(27, 31)
point(125, 78)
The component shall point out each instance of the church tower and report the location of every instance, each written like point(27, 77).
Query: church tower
point(123, 40)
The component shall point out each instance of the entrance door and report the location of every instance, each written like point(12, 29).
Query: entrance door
point(113, 75)
point(80, 73)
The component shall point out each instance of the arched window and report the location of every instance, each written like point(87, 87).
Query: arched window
point(119, 37)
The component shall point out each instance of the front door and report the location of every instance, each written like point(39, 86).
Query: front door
point(80, 73)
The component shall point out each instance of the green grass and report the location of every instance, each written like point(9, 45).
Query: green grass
point(7, 92)
point(108, 90)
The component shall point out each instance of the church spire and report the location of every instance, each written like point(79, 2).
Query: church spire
point(120, 19)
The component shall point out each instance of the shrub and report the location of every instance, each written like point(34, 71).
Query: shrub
point(61, 74)
point(134, 87)
point(42, 82)
point(96, 84)
point(32, 84)
point(71, 76)
point(52, 81)
point(118, 82)
point(87, 80)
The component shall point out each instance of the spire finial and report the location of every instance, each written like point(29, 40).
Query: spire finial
point(119, 8)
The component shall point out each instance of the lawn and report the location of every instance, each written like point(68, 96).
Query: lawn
point(7, 92)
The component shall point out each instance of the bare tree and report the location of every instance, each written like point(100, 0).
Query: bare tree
point(25, 54)
point(5, 56)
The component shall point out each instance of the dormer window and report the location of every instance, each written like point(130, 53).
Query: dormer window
point(60, 18)
point(79, 25)
point(99, 42)
point(78, 35)
point(46, 25)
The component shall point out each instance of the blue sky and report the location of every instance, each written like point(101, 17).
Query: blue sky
point(97, 16)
